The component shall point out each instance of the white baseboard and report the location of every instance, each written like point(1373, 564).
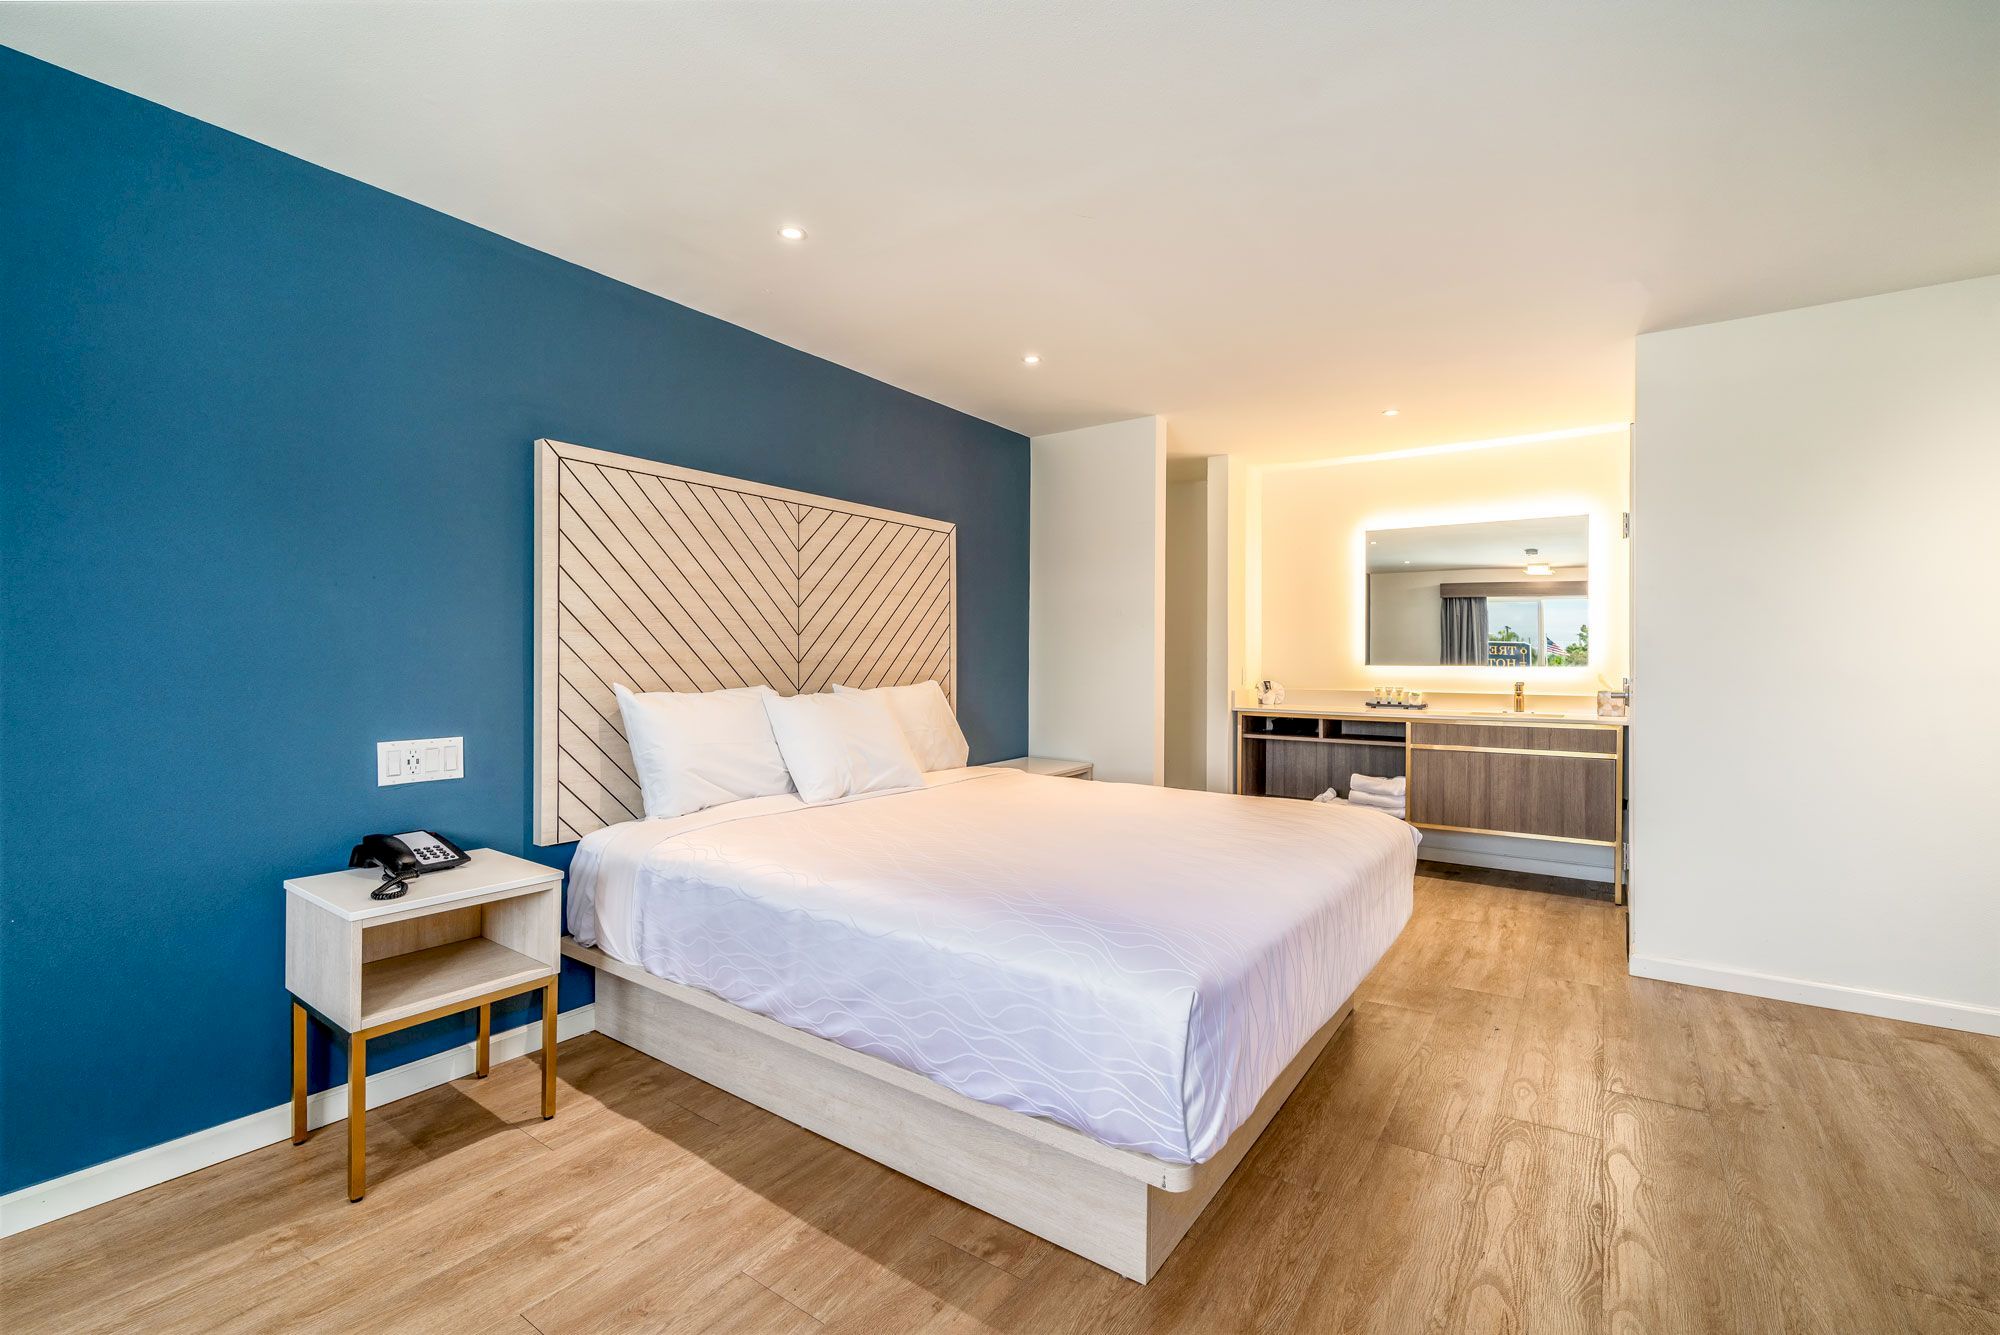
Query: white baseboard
point(30, 1206)
point(1830, 996)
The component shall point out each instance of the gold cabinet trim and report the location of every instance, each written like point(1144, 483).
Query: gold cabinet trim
point(1514, 751)
point(1516, 834)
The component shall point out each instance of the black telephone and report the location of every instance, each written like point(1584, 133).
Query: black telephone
point(402, 856)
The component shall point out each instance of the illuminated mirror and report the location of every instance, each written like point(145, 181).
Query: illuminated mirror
point(1512, 593)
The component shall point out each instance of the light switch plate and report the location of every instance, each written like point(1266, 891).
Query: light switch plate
point(422, 761)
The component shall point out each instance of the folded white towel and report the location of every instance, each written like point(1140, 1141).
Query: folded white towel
point(1376, 801)
point(1370, 783)
point(1330, 795)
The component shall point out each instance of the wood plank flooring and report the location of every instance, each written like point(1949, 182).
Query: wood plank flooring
point(1510, 1135)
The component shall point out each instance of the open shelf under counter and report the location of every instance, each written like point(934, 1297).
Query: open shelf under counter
point(1292, 761)
point(1265, 725)
point(1395, 742)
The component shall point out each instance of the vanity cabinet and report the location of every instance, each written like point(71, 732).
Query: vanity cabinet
point(1559, 779)
point(1547, 783)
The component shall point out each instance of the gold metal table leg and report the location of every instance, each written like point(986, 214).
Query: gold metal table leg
point(298, 1074)
point(549, 1050)
point(484, 1047)
point(357, 1117)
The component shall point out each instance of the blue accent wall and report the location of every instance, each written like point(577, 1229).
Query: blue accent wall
point(266, 437)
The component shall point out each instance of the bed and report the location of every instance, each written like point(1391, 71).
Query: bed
point(1142, 972)
point(1074, 1005)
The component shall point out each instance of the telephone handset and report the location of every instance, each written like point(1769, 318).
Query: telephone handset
point(402, 856)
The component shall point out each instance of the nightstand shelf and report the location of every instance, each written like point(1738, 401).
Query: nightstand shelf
point(457, 940)
point(456, 973)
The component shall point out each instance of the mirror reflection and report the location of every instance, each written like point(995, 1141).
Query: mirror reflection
point(1510, 593)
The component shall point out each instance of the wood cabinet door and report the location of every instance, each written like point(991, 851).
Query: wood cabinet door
point(1554, 796)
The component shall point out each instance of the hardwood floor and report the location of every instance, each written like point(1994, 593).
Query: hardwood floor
point(1510, 1135)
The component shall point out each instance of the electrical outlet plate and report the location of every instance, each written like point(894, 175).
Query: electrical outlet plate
point(422, 761)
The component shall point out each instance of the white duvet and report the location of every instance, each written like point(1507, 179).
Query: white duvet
point(1139, 963)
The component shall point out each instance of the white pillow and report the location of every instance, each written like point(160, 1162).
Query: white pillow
point(839, 745)
point(927, 721)
point(697, 749)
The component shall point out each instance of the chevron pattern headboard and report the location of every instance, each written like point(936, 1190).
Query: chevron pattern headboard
point(667, 579)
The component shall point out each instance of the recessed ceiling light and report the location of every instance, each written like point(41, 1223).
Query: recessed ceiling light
point(1391, 412)
point(1031, 359)
point(792, 233)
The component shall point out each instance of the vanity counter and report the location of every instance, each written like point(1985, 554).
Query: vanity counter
point(1445, 708)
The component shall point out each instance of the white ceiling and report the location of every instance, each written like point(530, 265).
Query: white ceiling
point(1269, 221)
point(1560, 541)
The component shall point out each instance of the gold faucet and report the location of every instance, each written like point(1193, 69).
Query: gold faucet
point(1520, 705)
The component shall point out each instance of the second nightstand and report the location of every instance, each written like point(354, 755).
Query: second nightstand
point(466, 937)
point(1061, 769)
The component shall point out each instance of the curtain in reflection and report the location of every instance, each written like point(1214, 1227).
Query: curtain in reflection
point(1462, 637)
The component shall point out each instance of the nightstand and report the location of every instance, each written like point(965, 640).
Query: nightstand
point(459, 939)
point(1060, 769)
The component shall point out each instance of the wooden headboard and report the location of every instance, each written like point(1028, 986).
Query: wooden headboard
point(667, 579)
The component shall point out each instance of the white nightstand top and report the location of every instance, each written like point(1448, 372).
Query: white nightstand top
point(1061, 769)
point(345, 893)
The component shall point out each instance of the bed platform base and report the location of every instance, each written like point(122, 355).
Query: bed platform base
point(1124, 1210)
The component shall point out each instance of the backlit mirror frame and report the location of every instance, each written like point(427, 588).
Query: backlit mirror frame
point(1593, 590)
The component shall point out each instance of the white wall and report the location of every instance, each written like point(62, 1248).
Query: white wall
point(1187, 633)
point(1308, 587)
point(1814, 776)
point(1096, 598)
point(1205, 618)
point(1226, 541)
